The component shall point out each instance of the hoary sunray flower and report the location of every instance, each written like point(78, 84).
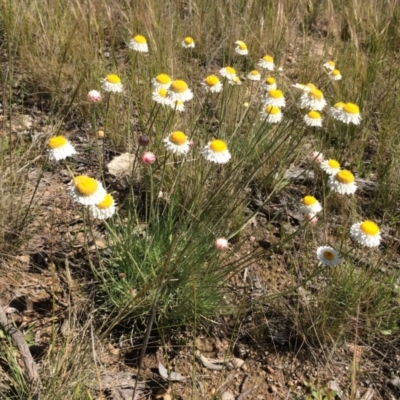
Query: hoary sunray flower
point(310, 205)
point(275, 98)
point(161, 81)
point(228, 73)
point(160, 96)
point(235, 81)
point(306, 88)
point(60, 148)
point(254, 75)
point(87, 191)
point(177, 105)
point(212, 84)
point(217, 152)
point(188, 43)
point(367, 233)
point(330, 65)
point(331, 166)
point(139, 43)
point(179, 90)
point(267, 62)
point(313, 100)
point(337, 110)
point(177, 143)
point(94, 96)
point(313, 118)
point(350, 114)
point(104, 209)
point(269, 84)
point(335, 75)
point(343, 182)
point(328, 256)
point(271, 114)
point(241, 48)
point(112, 83)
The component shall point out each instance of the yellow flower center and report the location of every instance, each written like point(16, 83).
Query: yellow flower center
point(311, 86)
point(331, 63)
point(316, 94)
point(242, 45)
point(255, 72)
point(236, 79)
point(351, 108)
point(140, 39)
point(345, 176)
point(268, 58)
point(218, 146)
point(328, 255)
point(179, 86)
point(314, 115)
point(335, 72)
point(85, 186)
point(188, 40)
point(164, 79)
point(211, 80)
point(107, 202)
point(272, 110)
point(178, 138)
point(333, 163)
point(309, 201)
point(230, 70)
point(163, 92)
point(275, 94)
point(369, 228)
point(270, 80)
point(339, 105)
point(112, 78)
point(57, 141)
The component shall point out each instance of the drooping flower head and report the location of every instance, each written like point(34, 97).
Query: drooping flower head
point(267, 62)
point(313, 118)
point(271, 114)
point(112, 83)
point(337, 110)
point(87, 191)
point(269, 84)
point(331, 166)
point(330, 65)
point(179, 90)
point(328, 256)
point(241, 48)
point(343, 182)
point(217, 152)
point(60, 148)
point(254, 75)
point(310, 205)
point(177, 143)
point(161, 81)
point(335, 75)
point(177, 105)
point(104, 209)
point(313, 100)
point(367, 233)
point(212, 84)
point(139, 43)
point(160, 96)
point(350, 114)
point(188, 43)
point(228, 72)
point(275, 98)
point(305, 88)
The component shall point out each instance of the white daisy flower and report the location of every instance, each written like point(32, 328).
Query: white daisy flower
point(177, 105)
point(188, 43)
point(217, 152)
point(313, 118)
point(112, 83)
point(139, 43)
point(330, 65)
point(310, 205)
point(241, 48)
point(160, 96)
point(328, 256)
point(271, 114)
point(366, 233)
point(337, 110)
point(177, 143)
point(269, 84)
point(228, 73)
point(331, 166)
point(335, 75)
point(86, 190)
point(275, 98)
point(161, 81)
point(179, 90)
point(212, 84)
point(254, 75)
point(350, 114)
point(343, 182)
point(104, 209)
point(306, 88)
point(235, 81)
point(313, 100)
point(267, 62)
point(60, 148)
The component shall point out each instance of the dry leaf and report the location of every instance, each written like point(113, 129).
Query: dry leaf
point(170, 376)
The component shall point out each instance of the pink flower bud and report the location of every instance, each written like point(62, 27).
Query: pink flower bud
point(316, 156)
point(221, 244)
point(94, 96)
point(311, 218)
point(144, 140)
point(148, 158)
